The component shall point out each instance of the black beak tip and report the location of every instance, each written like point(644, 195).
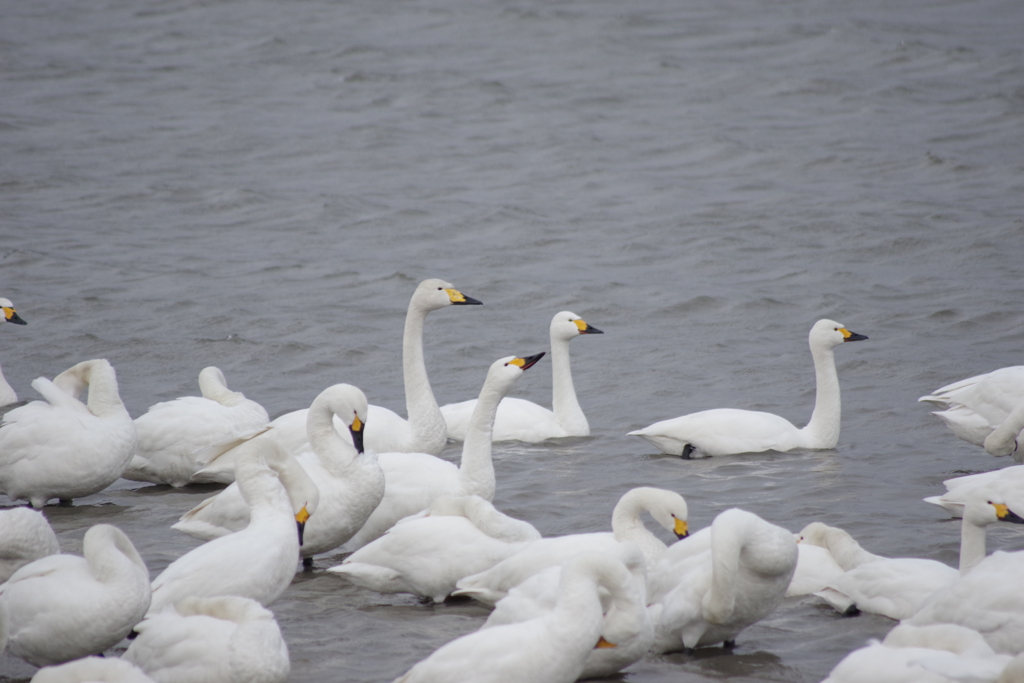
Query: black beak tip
point(856, 337)
point(469, 301)
point(302, 529)
point(16, 319)
point(532, 360)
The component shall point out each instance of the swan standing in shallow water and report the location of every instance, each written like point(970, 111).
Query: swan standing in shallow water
point(985, 410)
point(170, 433)
point(7, 393)
point(552, 648)
point(61, 447)
point(348, 482)
point(522, 420)
point(413, 480)
point(226, 639)
point(25, 536)
point(63, 607)
point(724, 431)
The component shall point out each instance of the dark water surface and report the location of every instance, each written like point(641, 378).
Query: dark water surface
point(260, 186)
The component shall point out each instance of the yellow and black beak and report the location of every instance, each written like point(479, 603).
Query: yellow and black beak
point(682, 529)
point(527, 362)
point(356, 429)
point(301, 517)
point(1005, 514)
point(459, 299)
point(851, 336)
point(12, 316)
point(584, 328)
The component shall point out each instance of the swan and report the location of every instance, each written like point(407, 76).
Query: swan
point(386, 432)
point(725, 431)
point(7, 393)
point(349, 482)
point(257, 562)
point(63, 448)
point(25, 536)
point(92, 670)
point(552, 648)
point(1009, 482)
point(413, 480)
point(667, 507)
point(426, 555)
point(522, 420)
point(897, 587)
point(626, 622)
point(921, 654)
point(984, 406)
point(737, 582)
point(62, 607)
point(226, 639)
point(170, 433)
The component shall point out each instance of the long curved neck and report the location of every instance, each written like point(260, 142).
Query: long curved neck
point(7, 394)
point(1005, 438)
point(425, 419)
point(823, 429)
point(563, 395)
point(726, 546)
point(104, 400)
point(112, 559)
point(476, 471)
point(211, 387)
point(335, 453)
point(627, 525)
point(972, 545)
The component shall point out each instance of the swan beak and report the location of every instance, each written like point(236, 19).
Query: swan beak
point(1005, 514)
point(301, 517)
point(459, 299)
point(602, 644)
point(682, 529)
point(12, 316)
point(356, 429)
point(527, 362)
point(584, 328)
point(851, 336)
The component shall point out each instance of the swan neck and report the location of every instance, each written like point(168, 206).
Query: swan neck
point(213, 390)
point(334, 452)
point(1005, 438)
point(563, 400)
point(104, 399)
point(425, 419)
point(823, 429)
point(7, 394)
point(112, 558)
point(627, 525)
point(477, 469)
point(972, 545)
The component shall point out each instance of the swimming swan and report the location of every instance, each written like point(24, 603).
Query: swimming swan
point(985, 410)
point(522, 420)
point(92, 670)
point(226, 639)
point(724, 431)
point(667, 508)
point(170, 433)
point(552, 648)
point(63, 607)
point(25, 536)
point(427, 555)
point(257, 562)
point(413, 480)
point(348, 482)
point(61, 447)
point(7, 393)
point(737, 582)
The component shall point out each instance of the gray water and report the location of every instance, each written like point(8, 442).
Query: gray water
point(260, 186)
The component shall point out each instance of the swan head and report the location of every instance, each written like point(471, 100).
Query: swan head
point(504, 372)
point(10, 315)
point(433, 294)
point(828, 333)
point(348, 402)
point(567, 325)
point(984, 506)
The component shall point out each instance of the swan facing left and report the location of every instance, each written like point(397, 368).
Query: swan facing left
point(63, 607)
point(63, 448)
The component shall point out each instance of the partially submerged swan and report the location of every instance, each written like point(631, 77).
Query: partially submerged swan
point(522, 420)
point(724, 431)
point(7, 393)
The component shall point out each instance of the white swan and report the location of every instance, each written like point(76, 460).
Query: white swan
point(64, 448)
point(170, 433)
point(985, 410)
point(92, 670)
point(626, 629)
point(427, 555)
point(724, 431)
point(257, 562)
point(522, 420)
point(413, 480)
point(921, 654)
point(226, 639)
point(349, 482)
point(549, 649)
point(7, 393)
point(666, 507)
point(737, 582)
point(25, 536)
point(63, 607)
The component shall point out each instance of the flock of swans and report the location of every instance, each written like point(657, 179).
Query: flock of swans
point(347, 475)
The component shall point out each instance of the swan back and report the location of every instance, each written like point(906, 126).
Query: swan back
point(25, 535)
point(92, 670)
point(484, 517)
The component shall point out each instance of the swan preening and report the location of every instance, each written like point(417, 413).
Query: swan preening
point(7, 393)
point(62, 607)
point(25, 536)
point(521, 420)
point(63, 448)
point(725, 431)
point(985, 410)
